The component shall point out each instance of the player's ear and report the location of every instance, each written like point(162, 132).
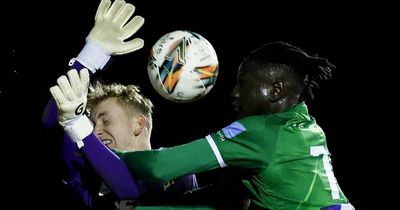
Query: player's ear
point(277, 91)
point(139, 125)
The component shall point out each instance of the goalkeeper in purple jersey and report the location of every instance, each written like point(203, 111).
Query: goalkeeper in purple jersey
point(122, 119)
point(277, 148)
point(87, 167)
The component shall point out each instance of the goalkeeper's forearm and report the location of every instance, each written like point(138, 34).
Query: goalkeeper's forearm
point(110, 168)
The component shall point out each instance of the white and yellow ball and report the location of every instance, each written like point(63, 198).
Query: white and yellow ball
point(183, 66)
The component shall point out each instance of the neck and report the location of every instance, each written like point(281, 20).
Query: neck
point(285, 104)
point(140, 145)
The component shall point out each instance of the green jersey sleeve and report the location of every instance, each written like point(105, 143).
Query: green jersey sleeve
point(245, 144)
point(169, 163)
point(235, 145)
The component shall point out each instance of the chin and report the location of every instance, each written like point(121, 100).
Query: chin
point(237, 112)
point(239, 115)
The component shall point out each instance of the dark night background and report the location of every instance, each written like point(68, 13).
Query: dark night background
point(45, 36)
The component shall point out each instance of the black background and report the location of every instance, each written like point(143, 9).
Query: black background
point(46, 35)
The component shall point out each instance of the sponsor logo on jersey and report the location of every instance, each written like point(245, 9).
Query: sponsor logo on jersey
point(233, 129)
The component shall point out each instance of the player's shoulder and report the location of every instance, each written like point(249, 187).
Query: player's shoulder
point(257, 122)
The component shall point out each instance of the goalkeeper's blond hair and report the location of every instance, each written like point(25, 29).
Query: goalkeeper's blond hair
point(128, 95)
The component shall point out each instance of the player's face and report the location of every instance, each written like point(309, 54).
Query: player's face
point(251, 95)
point(114, 126)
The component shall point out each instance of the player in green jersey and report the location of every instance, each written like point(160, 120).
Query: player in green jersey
point(277, 147)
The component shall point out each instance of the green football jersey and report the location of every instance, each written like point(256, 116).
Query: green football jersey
point(284, 156)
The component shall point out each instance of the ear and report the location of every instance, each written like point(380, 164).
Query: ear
point(277, 91)
point(140, 124)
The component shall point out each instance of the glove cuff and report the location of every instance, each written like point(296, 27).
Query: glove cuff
point(75, 64)
point(79, 129)
point(93, 56)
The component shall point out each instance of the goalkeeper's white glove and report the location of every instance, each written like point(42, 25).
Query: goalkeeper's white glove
point(113, 25)
point(70, 96)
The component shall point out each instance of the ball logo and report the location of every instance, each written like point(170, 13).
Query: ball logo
point(172, 66)
point(79, 110)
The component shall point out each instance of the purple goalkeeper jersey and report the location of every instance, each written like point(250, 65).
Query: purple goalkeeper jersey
point(94, 171)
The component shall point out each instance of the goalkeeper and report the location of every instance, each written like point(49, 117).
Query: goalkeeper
point(113, 25)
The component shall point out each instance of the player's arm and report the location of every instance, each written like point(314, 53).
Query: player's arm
point(114, 23)
point(169, 163)
point(70, 96)
point(110, 168)
point(229, 147)
point(77, 173)
point(115, 172)
point(80, 179)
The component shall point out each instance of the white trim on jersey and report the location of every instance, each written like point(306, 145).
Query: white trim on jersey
point(216, 152)
point(347, 206)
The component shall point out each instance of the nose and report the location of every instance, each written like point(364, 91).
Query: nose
point(98, 130)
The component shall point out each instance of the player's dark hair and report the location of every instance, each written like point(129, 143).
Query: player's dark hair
point(313, 69)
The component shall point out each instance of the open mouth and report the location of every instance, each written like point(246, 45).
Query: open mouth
point(106, 141)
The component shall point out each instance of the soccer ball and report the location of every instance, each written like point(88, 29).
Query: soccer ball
point(183, 66)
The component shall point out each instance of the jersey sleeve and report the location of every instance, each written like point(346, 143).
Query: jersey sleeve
point(110, 168)
point(234, 145)
point(243, 144)
point(77, 171)
point(169, 163)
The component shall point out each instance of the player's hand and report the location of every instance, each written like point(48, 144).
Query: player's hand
point(113, 26)
point(70, 96)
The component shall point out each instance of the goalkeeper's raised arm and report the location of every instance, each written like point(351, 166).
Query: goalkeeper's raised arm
point(113, 24)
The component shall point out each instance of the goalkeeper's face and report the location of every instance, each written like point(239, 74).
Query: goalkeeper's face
point(116, 127)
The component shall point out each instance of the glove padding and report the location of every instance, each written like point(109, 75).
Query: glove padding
point(70, 95)
point(111, 27)
point(71, 99)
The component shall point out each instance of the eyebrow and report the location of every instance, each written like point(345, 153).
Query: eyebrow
point(102, 114)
